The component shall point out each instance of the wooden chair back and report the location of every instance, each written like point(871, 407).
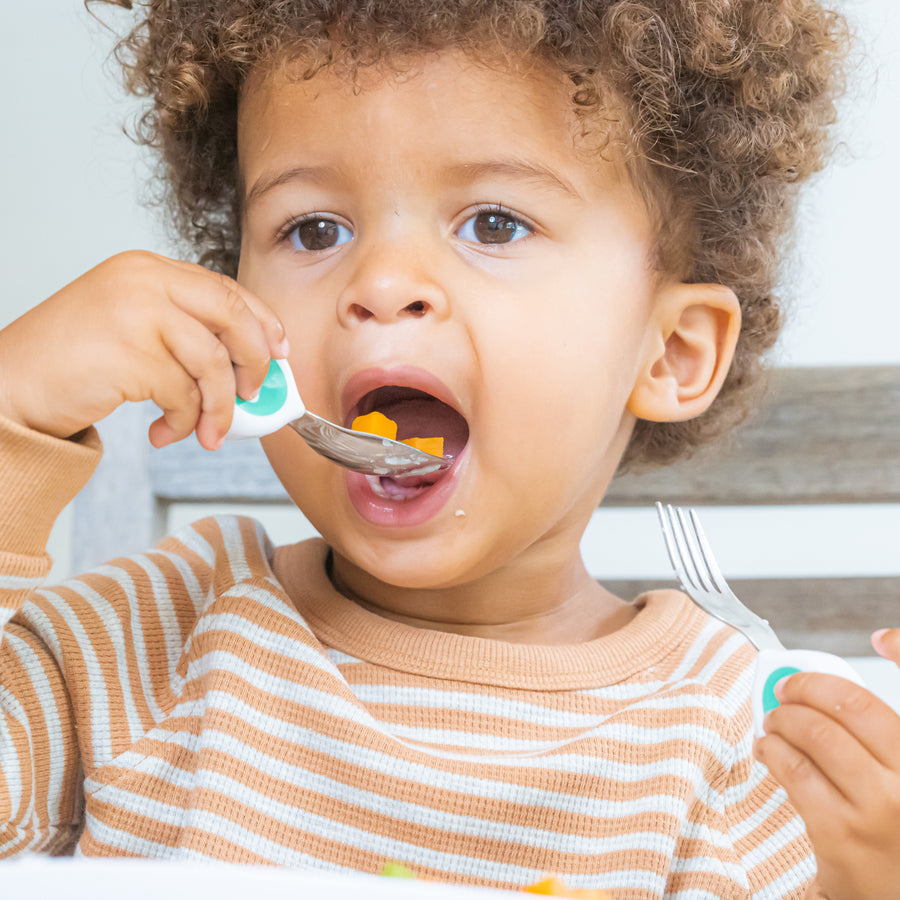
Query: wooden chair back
point(825, 436)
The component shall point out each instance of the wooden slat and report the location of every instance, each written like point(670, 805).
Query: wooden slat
point(238, 472)
point(825, 435)
point(832, 614)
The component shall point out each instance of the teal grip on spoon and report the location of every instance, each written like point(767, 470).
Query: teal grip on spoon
point(277, 403)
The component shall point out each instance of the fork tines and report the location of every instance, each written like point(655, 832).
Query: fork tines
point(689, 551)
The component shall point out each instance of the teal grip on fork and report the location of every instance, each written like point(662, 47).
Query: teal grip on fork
point(277, 404)
point(769, 700)
point(773, 665)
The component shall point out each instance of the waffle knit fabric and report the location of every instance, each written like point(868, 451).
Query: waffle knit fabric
point(185, 704)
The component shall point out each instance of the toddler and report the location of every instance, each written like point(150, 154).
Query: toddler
point(483, 219)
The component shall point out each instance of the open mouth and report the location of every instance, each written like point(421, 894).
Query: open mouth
point(417, 414)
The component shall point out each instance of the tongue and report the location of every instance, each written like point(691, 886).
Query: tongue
point(403, 488)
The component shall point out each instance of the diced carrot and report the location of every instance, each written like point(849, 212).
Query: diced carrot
point(434, 446)
point(376, 423)
point(557, 888)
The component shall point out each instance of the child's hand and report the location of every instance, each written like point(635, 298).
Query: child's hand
point(139, 327)
point(836, 749)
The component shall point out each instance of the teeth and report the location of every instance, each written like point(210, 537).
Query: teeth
point(391, 489)
point(377, 489)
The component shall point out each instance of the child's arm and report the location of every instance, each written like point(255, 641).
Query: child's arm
point(836, 749)
point(40, 763)
point(138, 327)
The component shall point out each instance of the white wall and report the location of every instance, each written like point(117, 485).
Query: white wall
point(845, 288)
point(72, 186)
point(72, 182)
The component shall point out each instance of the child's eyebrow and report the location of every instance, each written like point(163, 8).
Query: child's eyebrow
point(517, 169)
point(269, 180)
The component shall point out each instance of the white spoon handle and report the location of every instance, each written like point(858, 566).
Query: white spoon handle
point(773, 665)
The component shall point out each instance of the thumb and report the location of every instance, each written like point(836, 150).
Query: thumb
point(887, 644)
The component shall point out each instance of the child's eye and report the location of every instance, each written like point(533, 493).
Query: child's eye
point(318, 233)
point(493, 226)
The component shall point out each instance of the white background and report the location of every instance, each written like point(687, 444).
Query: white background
point(72, 182)
point(73, 185)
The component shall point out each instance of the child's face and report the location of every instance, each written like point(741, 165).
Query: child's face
point(447, 234)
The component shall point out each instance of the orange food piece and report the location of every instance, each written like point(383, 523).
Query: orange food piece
point(376, 423)
point(434, 446)
point(555, 887)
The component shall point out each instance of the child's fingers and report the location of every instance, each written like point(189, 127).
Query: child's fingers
point(207, 361)
point(809, 790)
point(191, 378)
point(237, 315)
point(249, 329)
point(887, 644)
point(848, 836)
point(272, 326)
point(182, 416)
point(871, 721)
point(177, 394)
point(172, 426)
point(225, 308)
point(829, 747)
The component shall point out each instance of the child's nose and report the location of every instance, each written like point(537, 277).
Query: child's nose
point(390, 283)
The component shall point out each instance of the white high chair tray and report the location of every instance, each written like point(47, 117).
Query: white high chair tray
point(41, 878)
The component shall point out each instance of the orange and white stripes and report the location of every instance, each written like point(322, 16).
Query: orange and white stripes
point(184, 704)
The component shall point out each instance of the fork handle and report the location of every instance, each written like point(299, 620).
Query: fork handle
point(277, 404)
point(773, 665)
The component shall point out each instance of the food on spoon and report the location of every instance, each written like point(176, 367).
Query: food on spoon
point(434, 446)
point(380, 424)
point(557, 888)
point(376, 423)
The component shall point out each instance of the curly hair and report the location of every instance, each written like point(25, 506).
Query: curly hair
point(727, 106)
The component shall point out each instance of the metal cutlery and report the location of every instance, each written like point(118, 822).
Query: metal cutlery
point(699, 574)
point(279, 404)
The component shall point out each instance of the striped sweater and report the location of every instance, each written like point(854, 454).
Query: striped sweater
point(185, 704)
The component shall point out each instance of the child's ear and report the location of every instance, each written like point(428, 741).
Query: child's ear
point(689, 350)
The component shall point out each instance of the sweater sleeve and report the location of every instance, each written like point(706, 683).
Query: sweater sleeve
point(40, 771)
point(766, 832)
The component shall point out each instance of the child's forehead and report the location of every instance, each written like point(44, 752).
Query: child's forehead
point(457, 89)
point(419, 72)
point(444, 122)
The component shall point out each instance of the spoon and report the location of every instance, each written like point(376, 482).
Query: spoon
point(279, 404)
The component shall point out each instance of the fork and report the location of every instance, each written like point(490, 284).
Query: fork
point(696, 568)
